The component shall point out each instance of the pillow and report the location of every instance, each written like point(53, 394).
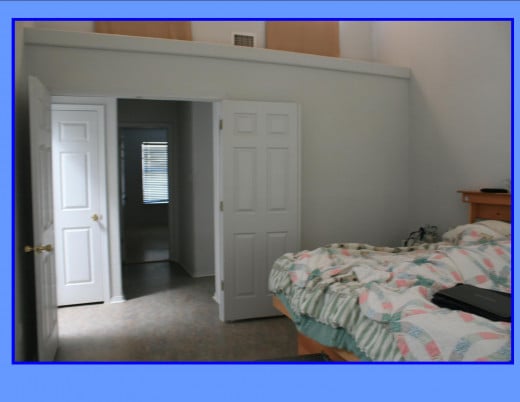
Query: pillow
point(479, 232)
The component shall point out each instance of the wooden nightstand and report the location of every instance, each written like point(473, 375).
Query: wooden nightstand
point(495, 206)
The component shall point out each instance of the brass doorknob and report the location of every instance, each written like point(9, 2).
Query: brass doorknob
point(95, 217)
point(38, 249)
point(47, 247)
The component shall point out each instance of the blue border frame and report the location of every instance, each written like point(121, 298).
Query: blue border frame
point(13, 192)
point(512, 188)
point(204, 382)
point(13, 116)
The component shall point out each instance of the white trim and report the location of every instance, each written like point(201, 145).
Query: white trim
point(299, 174)
point(114, 210)
point(217, 197)
point(87, 40)
point(117, 299)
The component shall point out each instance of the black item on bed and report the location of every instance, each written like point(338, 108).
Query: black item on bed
point(490, 304)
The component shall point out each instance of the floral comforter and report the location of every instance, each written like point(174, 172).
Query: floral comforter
point(381, 297)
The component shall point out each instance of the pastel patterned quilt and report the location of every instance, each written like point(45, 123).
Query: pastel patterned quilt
point(381, 297)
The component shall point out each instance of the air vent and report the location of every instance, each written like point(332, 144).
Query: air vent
point(244, 39)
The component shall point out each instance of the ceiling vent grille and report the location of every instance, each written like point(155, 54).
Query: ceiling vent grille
point(244, 39)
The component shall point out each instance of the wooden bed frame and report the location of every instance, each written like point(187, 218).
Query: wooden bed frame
point(308, 345)
point(495, 206)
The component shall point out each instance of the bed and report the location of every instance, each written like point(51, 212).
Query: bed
point(358, 302)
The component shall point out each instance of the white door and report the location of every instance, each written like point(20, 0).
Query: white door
point(41, 178)
point(79, 202)
point(260, 194)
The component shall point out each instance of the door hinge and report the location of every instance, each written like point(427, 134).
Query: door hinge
point(221, 206)
point(221, 124)
point(222, 285)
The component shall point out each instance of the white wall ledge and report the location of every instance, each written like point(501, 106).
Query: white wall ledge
point(87, 40)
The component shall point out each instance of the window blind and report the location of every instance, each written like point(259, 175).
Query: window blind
point(155, 172)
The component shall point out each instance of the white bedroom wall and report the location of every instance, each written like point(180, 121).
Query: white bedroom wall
point(459, 110)
point(460, 76)
point(354, 125)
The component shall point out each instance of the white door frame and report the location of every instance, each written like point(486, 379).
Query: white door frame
point(217, 197)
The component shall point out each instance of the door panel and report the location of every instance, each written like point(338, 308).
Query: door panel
point(77, 243)
point(260, 192)
point(278, 170)
point(43, 222)
point(74, 175)
point(245, 179)
point(80, 217)
point(244, 265)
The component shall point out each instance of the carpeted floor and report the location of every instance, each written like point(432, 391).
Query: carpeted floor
point(168, 317)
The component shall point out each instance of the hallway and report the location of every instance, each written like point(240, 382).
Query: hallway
point(145, 244)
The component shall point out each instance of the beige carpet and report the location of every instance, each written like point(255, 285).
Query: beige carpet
point(168, 317)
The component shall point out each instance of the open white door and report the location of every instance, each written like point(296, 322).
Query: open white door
point(260, 195)
point(43, 226)
point(80, 214)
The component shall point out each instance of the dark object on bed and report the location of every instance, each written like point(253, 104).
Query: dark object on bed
point(494, 190)
point(426, 234)
point(490, 304)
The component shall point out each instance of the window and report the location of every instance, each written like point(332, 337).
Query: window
point(155, 172)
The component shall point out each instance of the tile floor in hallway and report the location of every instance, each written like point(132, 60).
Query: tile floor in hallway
point(145, 244)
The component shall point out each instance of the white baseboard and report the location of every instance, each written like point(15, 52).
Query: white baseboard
point(117, 299)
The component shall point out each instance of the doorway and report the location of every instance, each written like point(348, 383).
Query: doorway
point(175, 227)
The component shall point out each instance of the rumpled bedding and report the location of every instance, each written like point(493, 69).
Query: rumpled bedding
point(381, 296)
